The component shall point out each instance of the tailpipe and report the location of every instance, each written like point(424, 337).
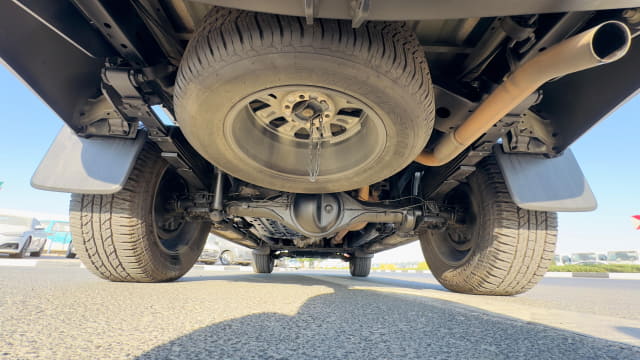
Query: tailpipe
point(599, 45)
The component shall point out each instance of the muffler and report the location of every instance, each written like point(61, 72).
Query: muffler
point(599, 45)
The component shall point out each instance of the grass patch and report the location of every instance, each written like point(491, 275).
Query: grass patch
point(614, 268)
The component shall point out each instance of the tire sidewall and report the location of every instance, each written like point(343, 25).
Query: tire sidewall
point(25, 249)
point(165, 264)
point(460, 277)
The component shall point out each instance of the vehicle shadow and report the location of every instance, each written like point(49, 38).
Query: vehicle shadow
point(635, 332)
point(364, 324)
point(293, 278)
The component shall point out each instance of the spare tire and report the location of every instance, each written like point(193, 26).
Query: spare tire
point(304, 108)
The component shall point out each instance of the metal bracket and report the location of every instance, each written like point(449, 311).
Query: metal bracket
point(530, 134)
point(309, 10)
point(360, 12)
point(99, 117)
point(122, 87)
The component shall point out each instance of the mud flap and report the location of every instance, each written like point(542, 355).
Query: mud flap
point(546, 184)
point(87, 165)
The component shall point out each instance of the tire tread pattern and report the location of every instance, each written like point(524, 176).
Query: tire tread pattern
point(109, 232)
point(521, 247)
point(360, 266)
point(263, 263)
point(229, 35)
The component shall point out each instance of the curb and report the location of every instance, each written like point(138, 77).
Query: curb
point(219, 268)
point(594, 275)
point(590, 275)
point(222, 268)
point(403, 271)
point(19, 262)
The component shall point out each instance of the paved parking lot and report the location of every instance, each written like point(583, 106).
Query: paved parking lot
point(54, 309)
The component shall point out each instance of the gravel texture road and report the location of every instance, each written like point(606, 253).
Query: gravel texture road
point(57, 310)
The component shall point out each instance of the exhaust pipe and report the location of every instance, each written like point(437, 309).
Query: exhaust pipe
point(599, 45)
point(228, 232)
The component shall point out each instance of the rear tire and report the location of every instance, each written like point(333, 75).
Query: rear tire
point(263, 263)
point(497, 248)
point(39, 252)
point(360, 266)
point(23, 251)
point(131, 235)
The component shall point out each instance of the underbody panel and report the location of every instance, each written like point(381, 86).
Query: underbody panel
point(417, 9)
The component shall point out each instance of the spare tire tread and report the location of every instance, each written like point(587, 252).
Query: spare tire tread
point(231, 35)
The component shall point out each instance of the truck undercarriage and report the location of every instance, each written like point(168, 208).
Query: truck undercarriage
point(323, 128)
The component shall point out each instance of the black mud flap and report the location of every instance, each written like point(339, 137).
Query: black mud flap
point(97, 165)
point(546, 184)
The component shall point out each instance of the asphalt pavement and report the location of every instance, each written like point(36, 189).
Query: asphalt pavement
point(55, 309)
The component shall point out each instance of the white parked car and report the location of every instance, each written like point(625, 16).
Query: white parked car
point(232, 253)
point(20, 235)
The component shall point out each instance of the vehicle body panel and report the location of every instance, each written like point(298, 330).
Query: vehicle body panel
point(67, 78)
point(57, 231)
point(421, 9)
point(58, 235)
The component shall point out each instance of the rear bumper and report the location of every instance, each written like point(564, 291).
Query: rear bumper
point(10, 244)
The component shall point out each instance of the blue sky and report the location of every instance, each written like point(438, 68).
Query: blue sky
point(609, 155)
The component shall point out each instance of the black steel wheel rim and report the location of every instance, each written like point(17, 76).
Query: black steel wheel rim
point(455, 244)
point(168, 220)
